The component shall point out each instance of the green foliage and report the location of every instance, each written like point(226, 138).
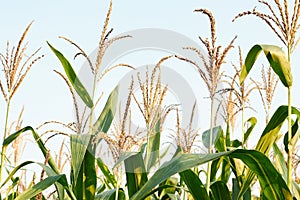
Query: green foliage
point(73, 78)
point(277, 59)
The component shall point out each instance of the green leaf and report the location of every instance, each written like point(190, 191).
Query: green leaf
point(178, 164)
point(79, 144)
point(252, 121)
point(280, 164)
point(61, 185)
point(271, 182)
point(152, 148)
point(219, 191)
point(124, 156)
point(268, 138)
point(277, 59)
point(136, 175)
point(216, 132)
point(107, 115)
point(194, 184)
point(89, 176)
point(73, 78)
point(165, 192)
point(39, 142)
point(14, 171)
point(111, 195)
point(110, 178)
point(236, 191)
point(290, 145)
point(38, 188)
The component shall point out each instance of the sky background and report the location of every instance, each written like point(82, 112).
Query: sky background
point(45, 96)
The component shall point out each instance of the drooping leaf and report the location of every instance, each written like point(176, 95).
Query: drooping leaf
point(14, 171)
point(277, 59)
point(252, 121)
point(272, 184)
point(73, 78)
point(216, 132)
point(39, 142)
point(290, 145)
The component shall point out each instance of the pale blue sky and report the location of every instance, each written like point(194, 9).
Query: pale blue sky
point(44, 94)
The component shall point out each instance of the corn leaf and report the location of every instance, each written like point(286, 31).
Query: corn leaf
point(178, 164)
point(136, 175)
point(268, 138)
point(216, 132)
point(277, 59)
point(107, 115)
point(194, 184)
point(110, 178)
point(219, 191)
point(39, 187)
point(39, 142)
point(152, 149)
point(271, 182)
point(252, 121)
point(90, 176)
point(111, 195)
point(73, 78)
point(79, 144)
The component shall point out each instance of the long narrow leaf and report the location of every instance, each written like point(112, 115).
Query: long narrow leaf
point(107, 115)
point(271, 182)
point(178, 164)
point(38, 188)
point(152, 149)
point(136, 175)
point(73, 78)
point(107, 173)
point(194, 184)
point(219, 191)
point(268, 138)
point(79, 144)
point(39, 142)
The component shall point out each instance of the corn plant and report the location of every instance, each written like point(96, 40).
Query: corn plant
point(285, 26)
point(138, 155)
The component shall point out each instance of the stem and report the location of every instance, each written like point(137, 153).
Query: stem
point(243, 124)
point(3, 152)
point(92, 109)
point(210, 144)
point(290, 152)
